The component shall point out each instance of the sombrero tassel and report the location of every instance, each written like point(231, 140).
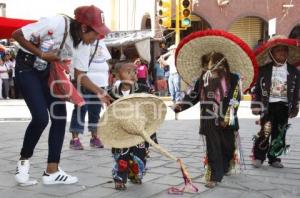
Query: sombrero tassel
point(188, 185)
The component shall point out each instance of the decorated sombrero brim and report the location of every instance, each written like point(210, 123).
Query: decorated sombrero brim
point(262, 53)
point(240, 57)
point(124, 121)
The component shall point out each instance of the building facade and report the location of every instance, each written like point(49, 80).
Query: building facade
point(249, 18)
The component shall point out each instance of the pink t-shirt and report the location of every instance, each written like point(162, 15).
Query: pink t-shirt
point(142, 71)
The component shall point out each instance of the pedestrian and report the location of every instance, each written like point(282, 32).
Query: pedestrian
point(4, 75)
point(134, 157)
point(160, 81)
point(142, 71)
point(174, 78)
point(98, 72)
point(275, 98)
point(10, 65)
point(215, 69)
point(72, 37)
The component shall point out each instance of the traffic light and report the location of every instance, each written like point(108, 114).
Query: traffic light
point(185, 13)
point(165, 13)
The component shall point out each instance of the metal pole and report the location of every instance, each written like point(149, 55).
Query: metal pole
point(177, 25)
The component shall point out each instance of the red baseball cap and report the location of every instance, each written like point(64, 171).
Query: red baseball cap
point(93, 17)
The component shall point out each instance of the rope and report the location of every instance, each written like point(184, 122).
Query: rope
point(188, 185)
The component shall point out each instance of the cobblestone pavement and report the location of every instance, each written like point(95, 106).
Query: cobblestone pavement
point(180, 137)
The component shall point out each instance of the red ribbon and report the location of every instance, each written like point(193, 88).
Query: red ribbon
point(188, 185)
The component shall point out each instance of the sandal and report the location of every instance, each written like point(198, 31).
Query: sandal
point(136, 180)
point(211, 184)
point(120, 185)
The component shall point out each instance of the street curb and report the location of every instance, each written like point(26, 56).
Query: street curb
point(14, 119)
point(246, 97)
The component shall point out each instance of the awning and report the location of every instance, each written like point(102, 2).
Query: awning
point(9, 25)
point(140, 39)
point(123, 38)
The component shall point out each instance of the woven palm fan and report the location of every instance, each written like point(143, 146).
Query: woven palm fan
point(131, 120)
point(239, 56)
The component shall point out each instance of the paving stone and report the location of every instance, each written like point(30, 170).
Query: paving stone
point(74, 165)
point(278, 194)
point(100, 171)
point(221, 192)
point(154, 164)
point(7, 180)
point(255, 185)
point(144, 190)
point(55, 190)
point(295, 190)
point(13, 193)
point(169, 180)
point(251, 194)
point(151, 176)
point(90, 179)
point(96, 191)
point(161, 170)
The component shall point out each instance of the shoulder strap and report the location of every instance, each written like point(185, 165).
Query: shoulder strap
point(6, 66)
point(93, 55)
point(65, 35)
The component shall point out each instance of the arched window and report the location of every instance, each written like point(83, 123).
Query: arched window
point(295, 33)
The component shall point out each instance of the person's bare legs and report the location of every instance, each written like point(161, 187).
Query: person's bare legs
point(75, 135)
point(52, 168)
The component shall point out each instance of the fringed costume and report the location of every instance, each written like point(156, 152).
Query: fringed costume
point(130, 162)
point(275, 98)
point(219, 103)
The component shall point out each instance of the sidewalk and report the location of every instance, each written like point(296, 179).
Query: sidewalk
point(93, 166)
point(16, 110)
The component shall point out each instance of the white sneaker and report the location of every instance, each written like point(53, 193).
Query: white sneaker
point(22, 171)
point(59, 177)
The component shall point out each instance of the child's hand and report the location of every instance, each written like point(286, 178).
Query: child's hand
point(222, 124)
point(105, 98)
point(176, 108)
point(152, 90)
point(257, 122)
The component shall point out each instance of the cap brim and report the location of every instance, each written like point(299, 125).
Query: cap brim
point(103, 31)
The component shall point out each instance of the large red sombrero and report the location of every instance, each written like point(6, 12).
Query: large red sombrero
point(262, 53)
point(240, 57)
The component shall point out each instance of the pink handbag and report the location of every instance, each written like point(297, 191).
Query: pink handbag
point(60, 84)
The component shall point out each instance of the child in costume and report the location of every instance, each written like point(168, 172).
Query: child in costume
point(275, 98)
point(132, 120)
point(129, 162)
point(219, 92)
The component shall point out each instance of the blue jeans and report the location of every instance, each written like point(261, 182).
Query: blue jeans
point(93, 107)
point(174, 86)
point(34, 88)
